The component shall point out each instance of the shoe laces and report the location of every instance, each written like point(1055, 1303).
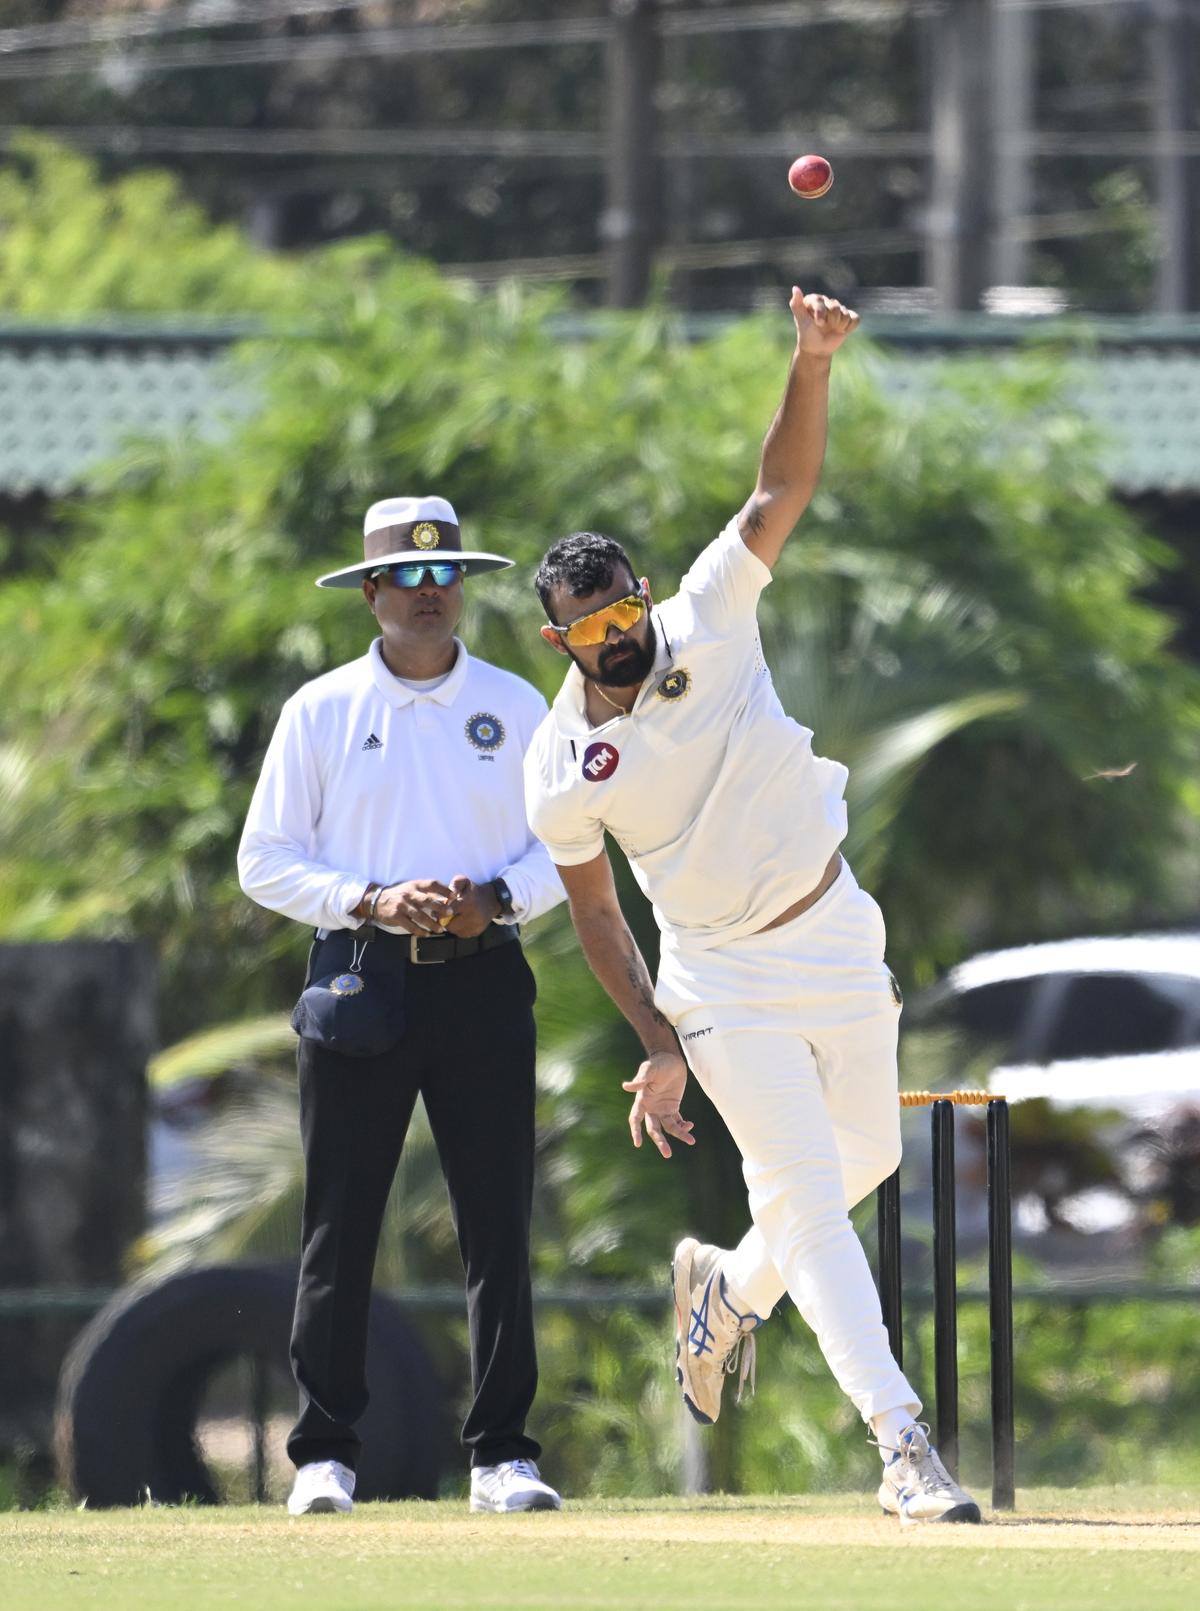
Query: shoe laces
point(922, 1459)
point(508, 1471)
point(741, 1357)
point(741, 1361)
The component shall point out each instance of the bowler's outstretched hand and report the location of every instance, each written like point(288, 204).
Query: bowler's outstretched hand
point(658, 1088)
point(822, 323)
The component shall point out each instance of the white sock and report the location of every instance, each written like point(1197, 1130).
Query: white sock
point(887, 1427)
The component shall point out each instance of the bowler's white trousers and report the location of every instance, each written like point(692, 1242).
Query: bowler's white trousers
point(792, 1033)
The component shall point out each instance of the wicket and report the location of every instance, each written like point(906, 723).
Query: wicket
point(945, 1285)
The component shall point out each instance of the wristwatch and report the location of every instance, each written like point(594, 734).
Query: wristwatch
point(504, 895)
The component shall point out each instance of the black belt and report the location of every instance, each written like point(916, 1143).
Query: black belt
point(424, 948)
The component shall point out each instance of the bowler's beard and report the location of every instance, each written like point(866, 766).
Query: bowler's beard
point(621, 665)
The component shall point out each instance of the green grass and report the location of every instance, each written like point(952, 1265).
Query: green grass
point(1089, 1549)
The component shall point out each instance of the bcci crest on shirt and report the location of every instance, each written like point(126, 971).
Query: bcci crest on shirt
point(675, 684)
point(485, 731)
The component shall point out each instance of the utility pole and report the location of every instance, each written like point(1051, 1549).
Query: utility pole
point(957, 226)
point(1012, 120)
point(629, 225)
point(1174, 41)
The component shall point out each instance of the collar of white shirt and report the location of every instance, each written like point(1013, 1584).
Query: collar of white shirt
point(394, 691)
point(570, 710)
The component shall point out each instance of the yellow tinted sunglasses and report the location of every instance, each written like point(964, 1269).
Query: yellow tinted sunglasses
point(592, 629)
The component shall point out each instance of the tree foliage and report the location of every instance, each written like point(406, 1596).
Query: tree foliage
point(70, 245)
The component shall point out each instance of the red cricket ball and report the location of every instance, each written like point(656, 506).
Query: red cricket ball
point(810, 176)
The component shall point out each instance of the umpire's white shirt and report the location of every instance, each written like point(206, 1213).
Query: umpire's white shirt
point(710, 788)
point(367, 779)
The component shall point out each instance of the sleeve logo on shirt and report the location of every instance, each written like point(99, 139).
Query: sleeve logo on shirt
point(485, 731)
point(675, 684)
point(372, 743)
point(600, 761)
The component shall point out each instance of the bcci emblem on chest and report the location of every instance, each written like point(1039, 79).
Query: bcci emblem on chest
point(485, 731)
point(675, 684)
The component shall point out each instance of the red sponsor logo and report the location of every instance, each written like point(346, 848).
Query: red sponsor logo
point(600, 762)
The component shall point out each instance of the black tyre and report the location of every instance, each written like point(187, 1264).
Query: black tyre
point(133, 1383)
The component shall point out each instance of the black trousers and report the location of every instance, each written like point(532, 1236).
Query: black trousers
point(468, 1048)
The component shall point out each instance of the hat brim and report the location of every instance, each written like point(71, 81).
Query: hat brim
point(473, 564)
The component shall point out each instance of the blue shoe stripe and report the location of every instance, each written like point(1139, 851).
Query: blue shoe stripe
point(741, 1319)
point(700, 1334)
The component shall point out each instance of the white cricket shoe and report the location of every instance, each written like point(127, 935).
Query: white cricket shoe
point(710, 1333)
point(511, 1485)
point(917, 1487)
point(321, 1487)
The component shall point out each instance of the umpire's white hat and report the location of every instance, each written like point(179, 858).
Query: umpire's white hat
point(400, 529)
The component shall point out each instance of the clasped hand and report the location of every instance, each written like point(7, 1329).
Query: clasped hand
point(658, 1088)
point(425, 906)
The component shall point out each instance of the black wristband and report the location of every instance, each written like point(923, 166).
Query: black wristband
point(504, 895)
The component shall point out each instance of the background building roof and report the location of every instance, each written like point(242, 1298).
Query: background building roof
point(72, 396)
point(1138, 379)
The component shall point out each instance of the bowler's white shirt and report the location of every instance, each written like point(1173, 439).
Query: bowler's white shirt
point(366, 778)
point(708, 786)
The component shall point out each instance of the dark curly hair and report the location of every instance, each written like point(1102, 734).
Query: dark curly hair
point(583, 563)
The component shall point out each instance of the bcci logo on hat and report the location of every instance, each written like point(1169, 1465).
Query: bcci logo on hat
point(599, 762)
point(425, 535)
point(485, 731)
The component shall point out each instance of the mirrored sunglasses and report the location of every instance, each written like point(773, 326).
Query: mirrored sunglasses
point(592, 629)
point(441, 571)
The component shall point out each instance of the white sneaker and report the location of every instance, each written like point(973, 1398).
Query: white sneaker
point(709, 1332)
point(322, 1486)
point(511, 1485)
point(917, 1487)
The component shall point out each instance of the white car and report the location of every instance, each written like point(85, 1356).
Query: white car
point(1110, 1022)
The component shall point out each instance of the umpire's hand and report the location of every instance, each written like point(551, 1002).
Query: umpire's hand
point(472, 908)
point(417, 907)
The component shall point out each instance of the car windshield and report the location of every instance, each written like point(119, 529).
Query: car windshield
point(1115, 1015)
point(993, 1016)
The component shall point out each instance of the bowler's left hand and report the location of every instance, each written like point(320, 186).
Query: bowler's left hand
point(658, 1088)
point(472, 908)
point(822, 323)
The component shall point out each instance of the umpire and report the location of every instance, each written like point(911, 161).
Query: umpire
point(390, 818)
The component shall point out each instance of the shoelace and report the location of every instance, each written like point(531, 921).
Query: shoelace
point(923, 1460)
point(927, 1464)
point(508, 1470)
point(741, 1360)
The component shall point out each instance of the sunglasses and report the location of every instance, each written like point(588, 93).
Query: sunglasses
point(592, 628)
point(441, 571)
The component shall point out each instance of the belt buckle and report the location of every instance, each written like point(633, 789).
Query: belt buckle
point(414, 941)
